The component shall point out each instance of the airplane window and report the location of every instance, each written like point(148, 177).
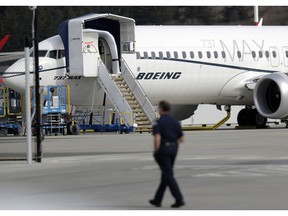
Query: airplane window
point(161, 55)
point(175, 54)
point(53, 54)
point(191, 55)
point(253, 54)
point(138, 55)
point(61, 54)
point(267, 54)
point(239, 54)
point(274, 54)
point(260, 54)
point(200, 54)
point(41, 53)
point(168, 55)
point(286, 52)
point(184, 55)
point(208, 54)
point(153, 55)
point(223, 54)
point(145, 55)
point(215, 54)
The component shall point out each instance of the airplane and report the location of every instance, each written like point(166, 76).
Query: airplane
point(185, 65)
point(3, 41)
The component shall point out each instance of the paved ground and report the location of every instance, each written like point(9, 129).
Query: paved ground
point(223, 169)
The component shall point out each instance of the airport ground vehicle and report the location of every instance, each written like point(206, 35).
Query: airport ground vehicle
point(55, 108)
point(57, 116)
point(10, 112)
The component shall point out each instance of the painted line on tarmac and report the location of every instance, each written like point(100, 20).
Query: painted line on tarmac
point(227, 170)
point(149, 157)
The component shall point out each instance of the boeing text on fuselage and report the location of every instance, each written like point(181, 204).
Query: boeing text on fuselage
point(158, 75)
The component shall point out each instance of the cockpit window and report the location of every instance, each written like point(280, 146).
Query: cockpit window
point(41, 53)
point(61, 54)
point(53, 54)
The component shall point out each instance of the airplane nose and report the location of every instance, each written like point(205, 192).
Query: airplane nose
point(14, 76)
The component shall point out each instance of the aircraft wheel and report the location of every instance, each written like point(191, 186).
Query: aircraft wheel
point(75, 129)
point(243, 117)
point(3, 132)
point(259, 120)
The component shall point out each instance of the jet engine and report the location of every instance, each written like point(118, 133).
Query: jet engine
point(182, 112)
point(271, 96)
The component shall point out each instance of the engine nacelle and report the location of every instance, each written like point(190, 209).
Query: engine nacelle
point(271, 96)
point(182, 112)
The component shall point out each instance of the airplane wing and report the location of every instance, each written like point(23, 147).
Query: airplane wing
point(5, 56)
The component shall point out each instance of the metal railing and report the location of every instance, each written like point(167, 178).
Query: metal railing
point(114, 93)
point(138, 91)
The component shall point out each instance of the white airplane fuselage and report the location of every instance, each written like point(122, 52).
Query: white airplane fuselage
point(185, 65)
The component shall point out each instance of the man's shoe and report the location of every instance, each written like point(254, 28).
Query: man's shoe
point(156, 204)
point(178, 204)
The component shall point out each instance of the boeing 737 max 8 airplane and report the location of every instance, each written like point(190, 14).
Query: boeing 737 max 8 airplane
point(185, 65)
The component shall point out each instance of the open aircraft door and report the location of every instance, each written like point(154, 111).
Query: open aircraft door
point(120, 30)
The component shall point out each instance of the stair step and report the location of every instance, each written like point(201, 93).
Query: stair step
point(130, 97)
point(126, 94)
point(117, 79)
point(146, 128)
point(132, 101)
point(137, 110)
point(125, 90)
point(143, 123)
point(120, 83)
point(135, 106)
point(142, 118)
point(122, 86)
point(140, 114)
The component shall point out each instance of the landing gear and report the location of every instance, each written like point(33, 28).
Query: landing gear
point(72, 129)
point(251, 117)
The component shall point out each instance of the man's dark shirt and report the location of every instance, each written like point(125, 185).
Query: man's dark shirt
point(169, 129)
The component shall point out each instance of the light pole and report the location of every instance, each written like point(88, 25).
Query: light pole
point(37, 93)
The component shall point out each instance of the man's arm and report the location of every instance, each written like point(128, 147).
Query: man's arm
point(157, 142)
point(180, 134)
point(181, 139)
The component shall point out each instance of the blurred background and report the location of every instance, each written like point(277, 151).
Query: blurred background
point(16, 20)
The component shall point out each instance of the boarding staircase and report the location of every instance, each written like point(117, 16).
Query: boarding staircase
point(127, 96)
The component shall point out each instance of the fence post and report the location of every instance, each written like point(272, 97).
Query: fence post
point(37, 93)
point(27, 102)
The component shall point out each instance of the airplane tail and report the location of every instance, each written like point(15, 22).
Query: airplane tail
point(260, 22)
point(4, 40)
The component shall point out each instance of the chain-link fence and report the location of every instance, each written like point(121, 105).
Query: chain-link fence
point(13, 136)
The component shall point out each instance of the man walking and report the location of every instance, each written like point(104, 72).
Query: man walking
point(167, 134)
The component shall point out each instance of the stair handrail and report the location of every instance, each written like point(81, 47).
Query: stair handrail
point(110, 87)
point(138, 91)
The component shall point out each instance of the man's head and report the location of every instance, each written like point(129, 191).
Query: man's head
point(164, 107)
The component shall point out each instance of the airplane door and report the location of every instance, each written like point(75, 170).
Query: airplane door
point(90, 54)
point(274, 57)
point(285, 54)
point(105, 54)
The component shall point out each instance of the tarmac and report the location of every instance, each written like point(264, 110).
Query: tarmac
point(216, 170)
